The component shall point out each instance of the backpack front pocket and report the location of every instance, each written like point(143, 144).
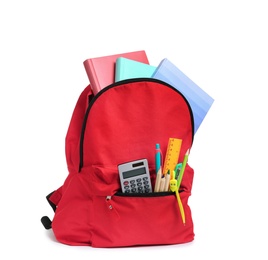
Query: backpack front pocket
point(140, 219)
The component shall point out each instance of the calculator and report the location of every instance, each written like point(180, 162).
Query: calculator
point(135, 177)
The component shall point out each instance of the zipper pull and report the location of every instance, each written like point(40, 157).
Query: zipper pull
point(108, 202)
point(111, 207)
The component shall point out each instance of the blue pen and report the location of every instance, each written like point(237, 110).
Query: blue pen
point(157, 158)
point(158, 170)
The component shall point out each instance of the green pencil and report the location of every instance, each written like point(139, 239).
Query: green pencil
point(183, 168)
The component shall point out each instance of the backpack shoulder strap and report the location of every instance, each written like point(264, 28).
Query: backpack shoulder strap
point(53, 199)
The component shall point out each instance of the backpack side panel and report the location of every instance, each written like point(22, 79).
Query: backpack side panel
point(72, 138)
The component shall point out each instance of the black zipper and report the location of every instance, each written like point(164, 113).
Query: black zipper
point(123, 82)
point(147, 195)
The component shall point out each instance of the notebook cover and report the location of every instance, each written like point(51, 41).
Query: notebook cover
point(127, 69)
point(101, 70)
point(199, 100)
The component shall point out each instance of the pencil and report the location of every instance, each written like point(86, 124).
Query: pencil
point(181, 207)
point(167, 180)
point(174, 188)
point(183, 168)
point(162, 184)
point(158, 180)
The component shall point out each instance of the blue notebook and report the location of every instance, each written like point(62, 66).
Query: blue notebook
point(199, 100)
point(127, 69)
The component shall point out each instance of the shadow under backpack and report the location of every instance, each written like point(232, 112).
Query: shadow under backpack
point(122, 123)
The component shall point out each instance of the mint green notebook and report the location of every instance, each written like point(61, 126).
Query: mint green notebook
point(128, 69)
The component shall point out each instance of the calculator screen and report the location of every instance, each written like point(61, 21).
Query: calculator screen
point(133, 173)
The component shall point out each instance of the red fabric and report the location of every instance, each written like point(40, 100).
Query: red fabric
point(123, 124)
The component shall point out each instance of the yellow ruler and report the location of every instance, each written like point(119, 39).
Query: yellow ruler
point(172, 155)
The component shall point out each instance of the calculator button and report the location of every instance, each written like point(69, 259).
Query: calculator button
point(145, 178)
point(139, 183)
point(125, 182)
point(132, 185)
point(132, 181)
point(134, 190)
point(138, 180)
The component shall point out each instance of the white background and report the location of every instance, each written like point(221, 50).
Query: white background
point(220, 45)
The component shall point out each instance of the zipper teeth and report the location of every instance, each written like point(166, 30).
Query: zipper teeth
point(122, 82)
point(145, 195)
point(81, 155)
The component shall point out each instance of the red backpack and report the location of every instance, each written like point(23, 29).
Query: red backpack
point(122, 123)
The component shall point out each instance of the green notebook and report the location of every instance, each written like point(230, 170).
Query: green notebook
point(128, 69)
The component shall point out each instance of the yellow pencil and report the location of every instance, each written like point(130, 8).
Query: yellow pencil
point(180, 206)
point(174, 187)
